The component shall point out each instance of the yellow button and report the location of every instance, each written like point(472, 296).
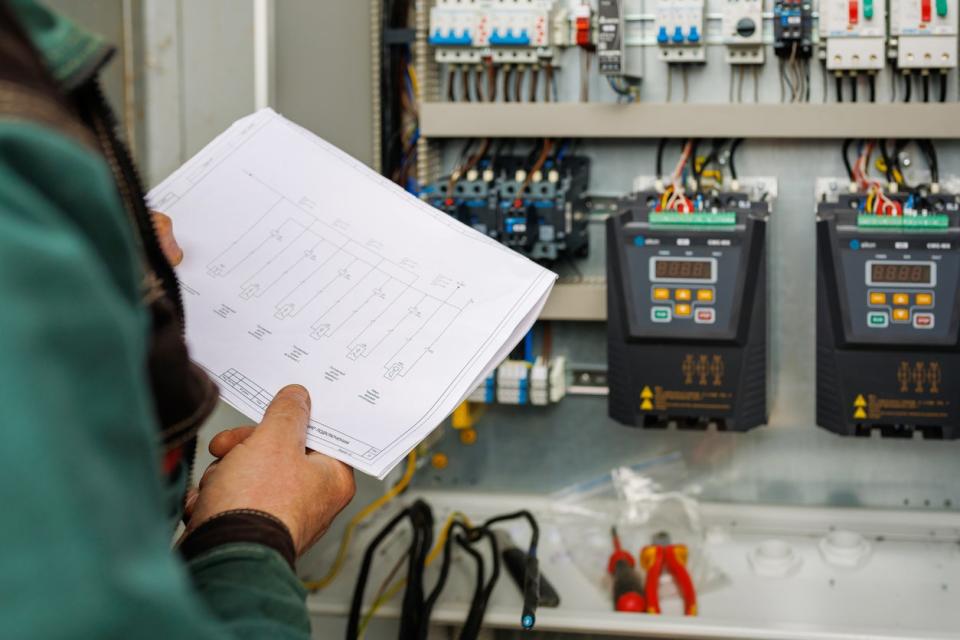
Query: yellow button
point(682, 310)
point(924, 300)
point(682, 294)
point(878, 298)
point(901, 315)
point(901, 299)
point(661, 294)
point(705, 295)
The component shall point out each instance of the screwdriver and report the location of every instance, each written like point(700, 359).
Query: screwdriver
point(627, 585)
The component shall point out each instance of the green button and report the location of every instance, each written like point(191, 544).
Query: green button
point(661, 314)
point(868, 9)
point(942, 8)
point(878, 320)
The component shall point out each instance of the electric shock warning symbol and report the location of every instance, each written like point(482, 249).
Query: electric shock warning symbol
point(860, 408)
point(647, 399)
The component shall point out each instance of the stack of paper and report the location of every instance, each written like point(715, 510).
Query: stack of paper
point(304, 266)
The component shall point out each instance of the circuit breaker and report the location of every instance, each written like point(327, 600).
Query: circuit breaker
point(743, 31)
point(508, 31)
point(855, 32)
point(924, 33)
point(793, 29)
point(888, 310)
point(687, 313)
point(679, 31)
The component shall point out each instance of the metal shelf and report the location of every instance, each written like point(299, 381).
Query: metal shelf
point(585, 120)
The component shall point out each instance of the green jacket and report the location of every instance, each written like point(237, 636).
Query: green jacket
point(85, 540)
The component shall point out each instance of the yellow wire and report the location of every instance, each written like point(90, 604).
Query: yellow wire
point(395, 588)
point(665, 196)
point(414, 81)
point(322, 583)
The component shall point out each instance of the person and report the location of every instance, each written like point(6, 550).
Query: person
point(100, 404)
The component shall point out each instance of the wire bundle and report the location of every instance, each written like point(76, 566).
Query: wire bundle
point(416, 608)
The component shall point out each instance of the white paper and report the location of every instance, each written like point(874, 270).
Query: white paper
point(301, 265)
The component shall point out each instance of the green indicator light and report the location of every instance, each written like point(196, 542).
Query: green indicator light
point(942, 8)
point(725, 219)
point(868, 9)
point(937, 221)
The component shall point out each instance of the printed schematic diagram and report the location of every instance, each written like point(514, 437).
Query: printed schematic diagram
point(310, 269)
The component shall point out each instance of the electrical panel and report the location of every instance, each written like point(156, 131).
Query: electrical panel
point(679, 31)
point(925, 33)
point(888, 350)
point(743, 31)
point(793, 28)
point(611, 50)
point(508, 31)
point(855, 32)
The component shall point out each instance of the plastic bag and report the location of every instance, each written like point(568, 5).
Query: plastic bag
point(640, 500)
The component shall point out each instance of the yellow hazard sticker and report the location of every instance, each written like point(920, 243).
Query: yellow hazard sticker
point(665, 400)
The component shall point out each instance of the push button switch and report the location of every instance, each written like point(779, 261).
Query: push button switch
point(705, 295)
point(901, 315)
point(878, 319)
point(683, 295)
point(878, 298)
point(923, 320)
point(901, 299)
point(660, 314)
point(661, 294)
point(682, 310)
point(924, 300)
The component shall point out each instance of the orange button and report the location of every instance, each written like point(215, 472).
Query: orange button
point(901, 299)
point(924, 300)
point(877, 298)
point(682, 310)
point(661, 294)
point(682, 294)
point(901, 315)
point(705, 295)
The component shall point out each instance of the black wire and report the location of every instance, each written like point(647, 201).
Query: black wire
point(930, 155)
point(854, 81)
point(908, 90)
point(926, 87)
point(845, 150)
point(534, 528)
point(479, 586)
point(839, 81)
point(943, 86)
point(661, 146)
point(478, 608)
point(412, 621)
point(872, 85)
point(733, 152)
point(353, 621)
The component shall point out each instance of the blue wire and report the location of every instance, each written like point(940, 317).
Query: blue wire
point(528, 346)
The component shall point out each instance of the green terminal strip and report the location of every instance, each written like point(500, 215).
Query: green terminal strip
point(935, 221)
point(721, 218)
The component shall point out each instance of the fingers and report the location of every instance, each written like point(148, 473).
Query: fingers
point(287, 416)
point(225, 441)
point(168, 243)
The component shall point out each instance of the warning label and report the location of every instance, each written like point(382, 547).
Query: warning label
point(665, 400)
point(877, 408)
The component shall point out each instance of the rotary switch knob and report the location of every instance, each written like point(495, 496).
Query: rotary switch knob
point(746, 27)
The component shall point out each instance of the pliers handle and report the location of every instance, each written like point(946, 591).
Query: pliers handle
point(652, 559)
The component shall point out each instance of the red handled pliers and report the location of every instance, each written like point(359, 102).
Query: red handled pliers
point(652, 559)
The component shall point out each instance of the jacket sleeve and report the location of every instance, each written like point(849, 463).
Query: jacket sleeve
point(79, 470)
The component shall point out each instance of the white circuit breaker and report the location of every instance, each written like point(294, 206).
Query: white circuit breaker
point(925, 33)
point(679, 30)
point(509, 31)
point(743, 31)
point(855, 32)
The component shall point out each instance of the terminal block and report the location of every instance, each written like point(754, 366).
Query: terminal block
point(679, 31)
point(855, 32)
point(924, 33)
point(743, 31)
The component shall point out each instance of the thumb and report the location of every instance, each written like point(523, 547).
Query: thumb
point(286, 418)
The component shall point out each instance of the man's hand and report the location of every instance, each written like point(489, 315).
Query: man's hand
point(163, 225)
point(267, 468)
